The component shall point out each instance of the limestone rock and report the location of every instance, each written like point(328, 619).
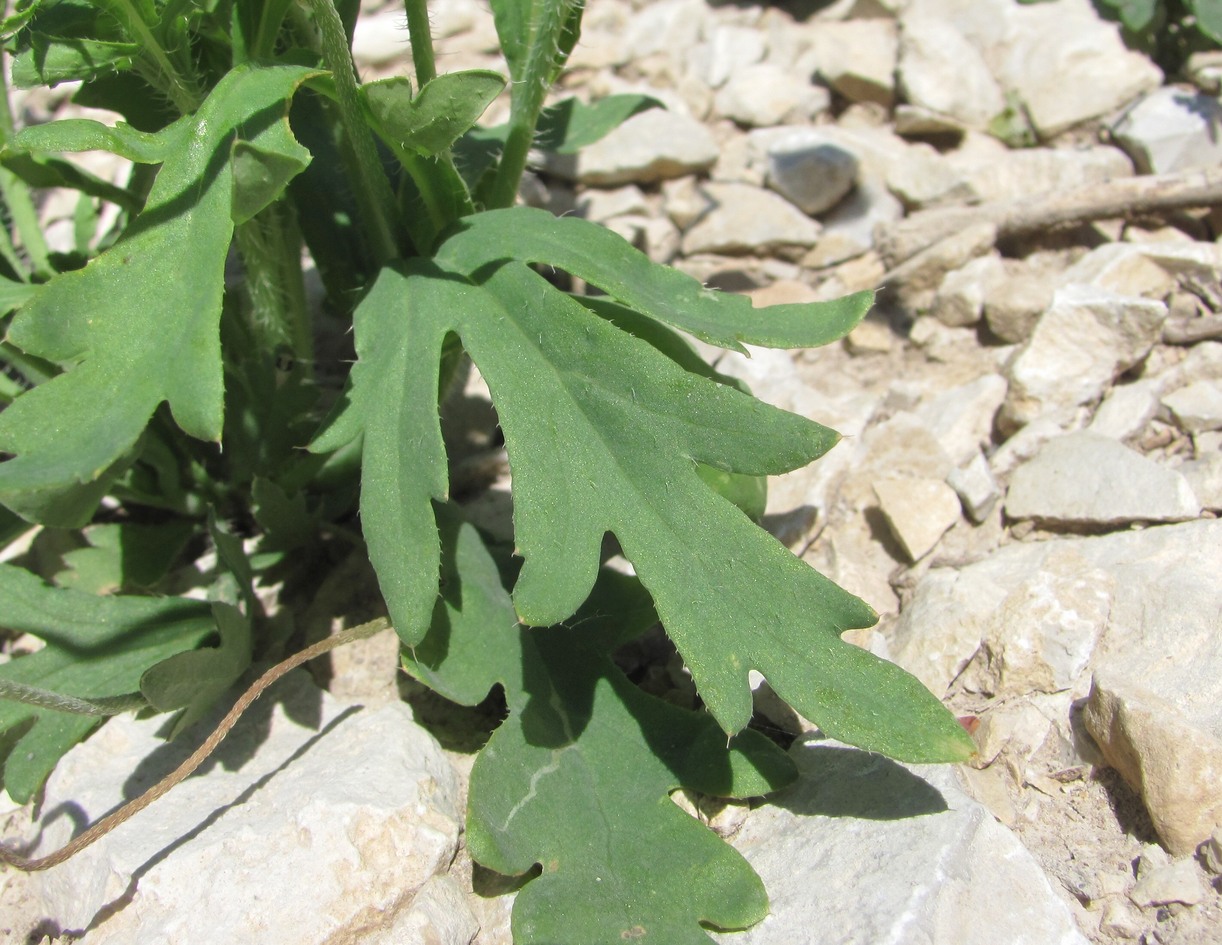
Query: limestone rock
point(857, 58)
point(1023, 174)
point(812, 176)
point(960, 298)
point(877, 841)
point(1084, 341)
point(1171, 754)
point(381, 38)
point(942, 72)
point(729, 50)
point(745, 219)
point(1180, 881)
point(1172, 129)
point(975, 486)
point(1067, 65)
point(962, 417)
point(1204, 475)
point(919, 511)
point(1127, 409)
point(1196, 407)
point(915, 280)
point(1015, 301)
point(649, 147)
point(1088, 479)
point(357, 806)
point(1163, 588)
point(765, 95)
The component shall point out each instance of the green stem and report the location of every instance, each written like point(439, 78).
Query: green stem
point(181, 90)
point(17, 198)
point(372, 189)
point(421, 39)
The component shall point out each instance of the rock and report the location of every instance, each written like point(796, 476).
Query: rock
point(812, 176)
point(870, 337)
point(1211, 852)
point(729, 50)
point(1180, 881)
point(1204, 68)
point(745, 219)
point(765, 95)
point(1163, 590)
point(602, 205)
point(664, 26)
point(861, 849)
point(381, 38)
point(1127, 409)
point(848, 229)
point(919, 511)
point(1204, 475)
point(927, 179)
point(439, 913)
point(1172, 129)
point(857, 58)
point(1165, 741)
point(357, 806)
point(1196, 407)
point(1023, 174)
point(941, 72)
point(1088, 479)
point(960, 298)
point(975, 486)
point(1067, 65)
point(1086, 339)
point(961, 418)
point(1043, 635)
point(1015, 301)
point(648, 147)
point(915, 279)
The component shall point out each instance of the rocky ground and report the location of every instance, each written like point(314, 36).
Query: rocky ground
point(1027, 491)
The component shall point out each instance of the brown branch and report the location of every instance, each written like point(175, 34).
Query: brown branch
point(183, 771)
point(1123, 197)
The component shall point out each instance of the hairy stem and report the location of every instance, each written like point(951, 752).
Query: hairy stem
point(421, 39)
point(372, 189)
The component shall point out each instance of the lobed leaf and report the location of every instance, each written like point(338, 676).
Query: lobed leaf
point(570, 125)
point(605, 433)
point(577, 777)
point(443, 111)
point(96, 647)
point(139, 325)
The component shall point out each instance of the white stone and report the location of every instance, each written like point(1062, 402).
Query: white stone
point(1088, 479)
point(919, 511)
point(1026, 173)
point(1164, 589)
point(602, 205)
point(764, 95)
point(960, 298)
point(848, 228)
point(976, 487)
point(1196, 407)
point(1211, 852)
point(812, 176)
point(651, 146)
point(1127, 409)
point(1172, 129)
point(857, 58)
point(381, 38)
point(939, 70)
point(927, 179)
point(1204, 475)
point(1015, 302)
point(745, 219)
point(865, 851)
point(731, 49)
point(1180, 881)
point(664, 26)
point(1086, 339)
point(1067, 65)
point(962, 417)
point(358, 807)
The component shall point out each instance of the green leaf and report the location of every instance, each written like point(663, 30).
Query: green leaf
point(1135, 14)
point(577, 777)
point(604, 259)
point(140, 324)
point(604, 433)
point(444, 109)
point(1209, 17)
point(95, 647)
point(125, 556)
point(262, 169)
point(571, 125)
point(14, 294)
point(55, 59)
point(194, 680)
point(44, 170)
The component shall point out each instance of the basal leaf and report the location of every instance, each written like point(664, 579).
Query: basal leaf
point(604, 434)
point(140, 324)
point(571, 125)
point(55, 59)
point(577, 777)
point(627, 275)
point(438, 115)
point(125, 555)
point(95, 647)
point(194, 680)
